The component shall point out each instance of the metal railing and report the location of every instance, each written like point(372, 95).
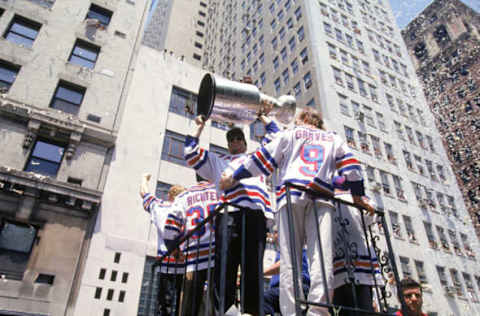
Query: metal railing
point(385, 258)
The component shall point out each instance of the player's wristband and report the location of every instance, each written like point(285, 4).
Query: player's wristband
point(241, 173)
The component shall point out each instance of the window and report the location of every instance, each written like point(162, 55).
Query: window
point(366, 67)
point(405, 265)
point(282, 33)
point(422, 276)
point(349, 136)
point(283, 53)
point(349, 81)
point(161, 190)
point(385, 182)
point(67, 97)
point(337, 74)
point(349, 40)
point(280, 15)
point(182, 102)
point(113, 276)
point(22, 31)
point(101, 274)
point(45, 158)
point(121, 296)
point(84, 54)
point(292, 44)
point(276, 83)
point(443, 238)
point(307, 80)
point(297, 89)
point(298, 13)
point(430, 235)
point(344, 57)
point(275, 63)
point(332, 51)
point(274, 42)
point(381, 121)
point(273, 24)
point(285, 76)
point(328, 29)
point(199, 34)
point(262, 79)
point(409, 228)
point(395, 225)
point(344, 109)
point(301, 34)
point(101, 14)
point(125, 277)
point(339, 35)
point(294, 65)
point(98, 293)
point(117, 257)
point(16, 243)
point(8, 74)
point(362, 88)
point(304, 56)
point(109, 294)
point(311, 102)
point(360, 46)
point(173, 148)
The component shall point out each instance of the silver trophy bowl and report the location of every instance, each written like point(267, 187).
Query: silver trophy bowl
point(239, 103)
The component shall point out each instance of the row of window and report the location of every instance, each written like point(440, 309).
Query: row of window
point(391, 63)
point(416, 165)
point(348, 40)
point(344, 5)
point(345, 20)
point(427, 200)
point(384, 184)
point(23, 31)
point(457, 289)
point(345, 79)
point(391, 81)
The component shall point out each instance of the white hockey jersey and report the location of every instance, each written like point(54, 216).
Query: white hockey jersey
point(159, 211)
point(249, 193)
point(307, 158)
point(348, 226)
point(190, 209)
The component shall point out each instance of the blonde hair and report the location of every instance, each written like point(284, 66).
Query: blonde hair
point(174, 191)
point(311, 117)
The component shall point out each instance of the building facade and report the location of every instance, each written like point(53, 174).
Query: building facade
point(178, 27)
point(348, 60)
point(63, 71)
point(444, 45)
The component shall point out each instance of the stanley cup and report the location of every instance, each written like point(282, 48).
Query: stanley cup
point(239, 103)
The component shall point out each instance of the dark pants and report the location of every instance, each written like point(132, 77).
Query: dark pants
point(169, 289)
point(271, 303)
point(192, 294)
point(343, 296)
point(255, 234)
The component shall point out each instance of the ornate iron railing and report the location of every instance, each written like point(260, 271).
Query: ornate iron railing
point(372, 238)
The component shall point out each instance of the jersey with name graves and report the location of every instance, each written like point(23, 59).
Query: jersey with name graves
point(306, 157)
point(190, 209)
point(159, 211)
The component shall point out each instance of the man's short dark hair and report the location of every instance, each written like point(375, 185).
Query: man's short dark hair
point(235, 132)
point(409, 283)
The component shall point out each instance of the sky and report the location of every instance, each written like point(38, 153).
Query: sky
point(406, 10)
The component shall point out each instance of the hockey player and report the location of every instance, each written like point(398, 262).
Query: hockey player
point(306, 156)
point(365, 271)
point(172, 267)
point(254, 208)
point(191, 208)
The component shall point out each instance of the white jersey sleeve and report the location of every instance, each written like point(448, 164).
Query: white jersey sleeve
point(208, 165)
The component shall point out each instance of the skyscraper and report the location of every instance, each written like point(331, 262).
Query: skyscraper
point(178, 27)
point(444, 43)
point(347, 59)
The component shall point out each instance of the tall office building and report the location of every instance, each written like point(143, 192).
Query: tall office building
point(63, 76)
point(347, 59)
point(444, 43)
point(178, 27)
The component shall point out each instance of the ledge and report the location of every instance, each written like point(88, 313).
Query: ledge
point(83, 198)
point(58, 120)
